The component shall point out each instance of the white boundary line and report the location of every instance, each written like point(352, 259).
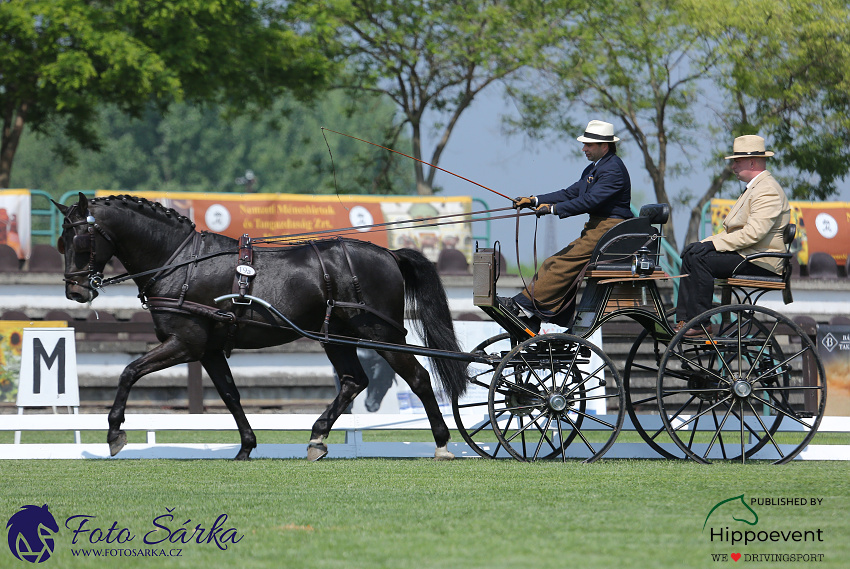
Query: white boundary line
point(352, 425)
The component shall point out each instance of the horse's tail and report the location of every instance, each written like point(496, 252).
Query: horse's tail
point(432, 317)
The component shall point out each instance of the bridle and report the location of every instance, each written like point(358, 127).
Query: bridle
point(82, 242)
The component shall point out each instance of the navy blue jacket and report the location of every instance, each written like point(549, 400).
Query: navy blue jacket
point(604, 190)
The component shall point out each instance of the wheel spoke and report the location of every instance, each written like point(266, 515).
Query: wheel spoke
point(782, 363)
point(523, 428)
point(706, 370)
point(695, 417)
point(717, 431)
point(561, 439)
point(534, 373)
point(761, 351)
point(593, 418)
point(577, 430)
point(766, 430)
point(543, 436)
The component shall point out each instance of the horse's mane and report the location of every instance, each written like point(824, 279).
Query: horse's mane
point(146, 207)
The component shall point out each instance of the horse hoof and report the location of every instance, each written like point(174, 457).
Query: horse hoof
point(442, 454)
point(316, 451)
point(116, 444)
point(243, 455)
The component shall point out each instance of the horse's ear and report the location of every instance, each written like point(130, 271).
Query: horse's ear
point(83, 204)
point(62, 208)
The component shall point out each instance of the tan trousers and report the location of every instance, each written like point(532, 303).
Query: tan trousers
point(552, 286)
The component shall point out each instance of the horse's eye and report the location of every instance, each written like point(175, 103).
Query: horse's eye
point(60, 245)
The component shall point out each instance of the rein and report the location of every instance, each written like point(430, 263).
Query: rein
point(414, 223)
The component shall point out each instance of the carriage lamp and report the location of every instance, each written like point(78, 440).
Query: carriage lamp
point(642, 263)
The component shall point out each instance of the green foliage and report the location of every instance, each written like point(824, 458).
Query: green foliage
point(195, 149)
point(432, 57)
point(787, 76)
point(63, 59)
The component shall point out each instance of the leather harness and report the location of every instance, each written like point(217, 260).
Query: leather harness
point(245, 273)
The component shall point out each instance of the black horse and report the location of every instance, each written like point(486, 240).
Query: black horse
point(337, 288)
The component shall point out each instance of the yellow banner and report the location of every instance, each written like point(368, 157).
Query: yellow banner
point(821, 226)
point(11, 341)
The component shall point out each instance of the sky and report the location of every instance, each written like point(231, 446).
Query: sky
point(512, 165)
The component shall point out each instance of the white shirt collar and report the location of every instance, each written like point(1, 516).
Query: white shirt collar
point(755, 180)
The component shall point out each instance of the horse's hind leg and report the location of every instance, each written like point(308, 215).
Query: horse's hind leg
point(169, 353)
point(219, 371)
point(419, 380)
point(352, 380)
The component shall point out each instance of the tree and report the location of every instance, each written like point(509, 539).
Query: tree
point(433, 57)
point(61, 60)
point(195, 149)
point(638, 64)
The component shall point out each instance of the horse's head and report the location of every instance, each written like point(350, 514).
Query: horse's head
point(86, 247)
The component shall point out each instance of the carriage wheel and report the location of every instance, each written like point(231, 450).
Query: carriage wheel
point(727, 397)
point(643, 359)
point(543, 394)
point(471, 413)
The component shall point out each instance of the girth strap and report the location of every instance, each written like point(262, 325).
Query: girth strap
point(354, 278)
point(361, 305)
point(328, 290)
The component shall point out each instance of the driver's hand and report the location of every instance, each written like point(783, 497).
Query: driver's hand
point(527, 202)
point(545, 209)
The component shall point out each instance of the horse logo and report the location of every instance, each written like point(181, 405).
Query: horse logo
point(31, 533)
point(734, 510)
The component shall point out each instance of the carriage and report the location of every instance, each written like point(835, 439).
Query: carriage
point(754, 389)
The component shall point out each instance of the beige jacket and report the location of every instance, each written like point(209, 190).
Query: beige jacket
point(756, 221)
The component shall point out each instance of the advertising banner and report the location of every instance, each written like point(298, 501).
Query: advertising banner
point(821, 226)
point(11, 348)
point(379, 219)
point(834, 351)
point(15, 221)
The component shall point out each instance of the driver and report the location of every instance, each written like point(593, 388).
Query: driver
point(604, 191)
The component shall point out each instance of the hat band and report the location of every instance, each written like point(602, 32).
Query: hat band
point(601, 137)
point(754, 152)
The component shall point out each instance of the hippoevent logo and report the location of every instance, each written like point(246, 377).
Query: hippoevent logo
point(30, 533)
point(734, 523)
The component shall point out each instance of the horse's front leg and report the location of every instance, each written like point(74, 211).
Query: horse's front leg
point(169, 353)
point(219, 371)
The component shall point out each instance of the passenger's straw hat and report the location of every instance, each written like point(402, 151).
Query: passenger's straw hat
point(597, 132)
point(750, 145)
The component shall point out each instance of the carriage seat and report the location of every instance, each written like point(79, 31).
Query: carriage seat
point(613, 254)
point(751, 287)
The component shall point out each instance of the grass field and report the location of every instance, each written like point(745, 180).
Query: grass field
point(421, 514)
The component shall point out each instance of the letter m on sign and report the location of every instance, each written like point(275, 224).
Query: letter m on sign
point(39, 354)
point(48, 368)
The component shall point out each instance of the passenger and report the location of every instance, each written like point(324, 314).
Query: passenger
point(604, 191)
point(754, 225)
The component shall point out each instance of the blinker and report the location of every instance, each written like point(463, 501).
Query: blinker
point(82, 242)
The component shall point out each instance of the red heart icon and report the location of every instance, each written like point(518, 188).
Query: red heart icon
point(736, 556)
